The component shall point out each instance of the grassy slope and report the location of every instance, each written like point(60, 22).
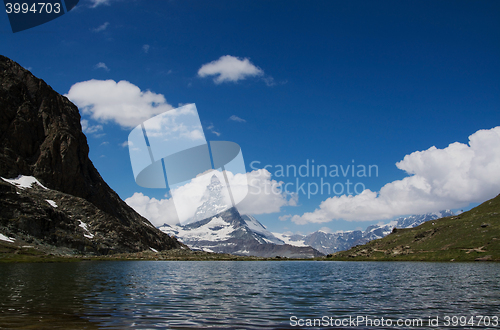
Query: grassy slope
point(472, 235)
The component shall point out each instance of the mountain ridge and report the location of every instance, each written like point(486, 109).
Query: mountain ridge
point(328, 243)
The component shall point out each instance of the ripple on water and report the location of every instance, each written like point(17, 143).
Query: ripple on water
point(163, 294)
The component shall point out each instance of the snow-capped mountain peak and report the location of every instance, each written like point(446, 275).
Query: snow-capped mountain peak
point(213, 201)
point(230, 232)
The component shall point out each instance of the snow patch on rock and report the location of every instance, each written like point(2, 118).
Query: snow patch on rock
point(24, 181)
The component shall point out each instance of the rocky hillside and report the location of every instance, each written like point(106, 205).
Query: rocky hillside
point(472, 235)
point(41, 137)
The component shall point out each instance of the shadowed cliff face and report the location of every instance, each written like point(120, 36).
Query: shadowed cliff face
point(41, 136)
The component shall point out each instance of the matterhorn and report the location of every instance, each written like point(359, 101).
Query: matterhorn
point(217, 226)
point(213, 201)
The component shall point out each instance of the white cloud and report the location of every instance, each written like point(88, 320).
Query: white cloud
point(145, 48)
point(121, 102)
point(238, 119)
point(265, 195)
point(269, 81)
point(259, 200)
point(102, 65)
point(157, 211)
point(284, 217)
point(438, 179)
point(229, 68)
point(90, 129)
point(294, 199)
point(102, 27)
point(181, 125)
point(211, 128)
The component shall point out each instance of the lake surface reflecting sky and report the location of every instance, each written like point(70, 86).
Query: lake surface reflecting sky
point(247, 295)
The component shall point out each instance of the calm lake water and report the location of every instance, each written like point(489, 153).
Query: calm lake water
point(247, 295)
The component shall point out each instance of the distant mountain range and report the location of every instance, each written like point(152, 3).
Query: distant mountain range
point(328, 243)
point(230, 232)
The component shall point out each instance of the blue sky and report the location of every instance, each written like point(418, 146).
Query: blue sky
point(329, 81)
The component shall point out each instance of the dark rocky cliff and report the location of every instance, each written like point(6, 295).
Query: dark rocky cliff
point(41, 136)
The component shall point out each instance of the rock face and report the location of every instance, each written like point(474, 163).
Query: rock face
point(41, 136)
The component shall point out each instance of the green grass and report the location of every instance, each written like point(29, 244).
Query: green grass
point(473, 235)
point(13, 253)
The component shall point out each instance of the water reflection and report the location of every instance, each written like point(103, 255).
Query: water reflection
point(43, 296)
point(146, 295)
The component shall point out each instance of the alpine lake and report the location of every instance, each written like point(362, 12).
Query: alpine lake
point(249, 295)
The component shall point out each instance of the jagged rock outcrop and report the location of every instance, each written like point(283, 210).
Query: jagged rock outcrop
point(41, 136)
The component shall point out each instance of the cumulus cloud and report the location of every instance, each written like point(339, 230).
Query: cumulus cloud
point(102, 65)
point(181, 125)
point(259, 200)
point(102, 27)
point(121, 102)
point(157, 211)
point(294, 199)
point(90, 129)
point(229, 69)
point(284, 217)
point(265, 195)
point(238, 119)
point(438, 179)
